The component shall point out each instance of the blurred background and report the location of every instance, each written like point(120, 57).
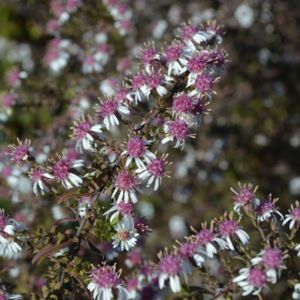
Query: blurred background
point(251, 135)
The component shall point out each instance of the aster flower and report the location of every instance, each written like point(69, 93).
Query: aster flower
point(20, 153)
point(136, 151)
point(175, 59)
point(108, 110)
point(196, 65)
point(203, 86)
point(193, 36)
point(125, 187)
point(178, 131)
point(125, 237)
point(121, 94)
point(205, 240)
point(62, 172)
point(147, 55)
point(293, 217)
point(104, 281)
point(251, 280)
point(271, 259)
point(230, 229)
point(153, 171)
point(138, 88)
point(125, 209)
point(82, 133)
point(266, 209)
point(38, 177)
point(194, 118)
point(141, 225)
point(8, 247)
point(170, 268)
point(244, 196)
point(90, 64)
point(57, 56)
point(156, 81)
point(182, 104)
point(186, 250)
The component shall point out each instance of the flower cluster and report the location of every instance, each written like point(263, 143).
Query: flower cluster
point(120, 150)
point(224, 237)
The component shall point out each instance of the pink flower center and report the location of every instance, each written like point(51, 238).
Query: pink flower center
point(20, 153)
point(188, 31)
point(148, 54)
point(173, 53)
point(203, 83)
point(228, 227)
point(137, 81)
point(154, 80)
point(187, 250)
point(257, 277)
point(36, 174)
point(198, 62)
point(182, 103)
point(265, 206)
point(272, 258)
point(125, 181)
point(179, 129)
point(121, 95)
point(82, 129)
point(108, 108)
point(204, 236)
point(125, 208)
point(123, 235)
point(244, 196)
point(136, 147)
point(156, 167)
point(61, 168)
point(296, 213)
point(170, 264)
point(105, 277)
